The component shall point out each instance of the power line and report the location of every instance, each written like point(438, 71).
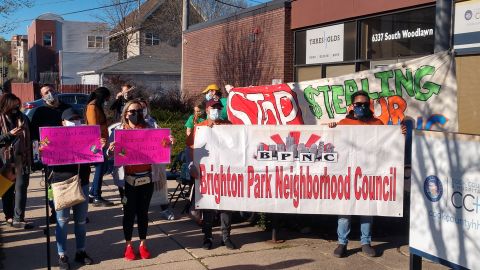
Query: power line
point(228, 4)
point(85, 10)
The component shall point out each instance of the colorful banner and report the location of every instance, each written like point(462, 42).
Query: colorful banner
point(347, 170)
point(422, 90)
point(142, 146)
point(445, 198)
point(70, 145)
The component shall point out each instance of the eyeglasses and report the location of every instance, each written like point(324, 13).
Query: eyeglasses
point(361, 104)
point(135, 111)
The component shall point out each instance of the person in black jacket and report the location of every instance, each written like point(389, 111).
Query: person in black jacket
point(126, 94)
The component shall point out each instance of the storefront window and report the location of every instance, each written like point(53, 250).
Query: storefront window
point(398, 35)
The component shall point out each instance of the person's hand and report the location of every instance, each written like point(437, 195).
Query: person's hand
point(103, 142)
point(172, 139)
point(16, 131)
point(193, 170)
point(111, 147)
point(404, 129)
point(210, 123)
point(332, 124)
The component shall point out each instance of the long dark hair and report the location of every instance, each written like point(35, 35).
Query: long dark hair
point(8, 102)
point(99, 96)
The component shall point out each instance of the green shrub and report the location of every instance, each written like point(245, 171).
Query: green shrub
point(175, 121)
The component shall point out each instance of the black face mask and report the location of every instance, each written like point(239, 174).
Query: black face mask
point(15, 112)
point(135, 118)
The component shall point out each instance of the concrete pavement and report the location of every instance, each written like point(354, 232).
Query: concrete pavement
point(177, 244)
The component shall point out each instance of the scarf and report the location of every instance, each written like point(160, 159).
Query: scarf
point(23, 147)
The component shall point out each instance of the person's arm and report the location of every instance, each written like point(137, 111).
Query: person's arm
point(92, 115)
point(117, 104)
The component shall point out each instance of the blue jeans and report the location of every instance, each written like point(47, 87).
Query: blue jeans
point(96, 189)
point(79, 217)
point(343, 229)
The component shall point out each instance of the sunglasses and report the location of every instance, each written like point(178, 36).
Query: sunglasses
point(135, 111)
point(361, 104)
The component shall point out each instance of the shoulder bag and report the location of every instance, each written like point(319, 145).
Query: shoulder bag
point(68, 193)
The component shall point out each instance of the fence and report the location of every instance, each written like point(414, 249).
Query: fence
point(77, 88)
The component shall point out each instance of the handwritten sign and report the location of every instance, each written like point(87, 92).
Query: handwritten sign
point(70, 145)
point(142, 146)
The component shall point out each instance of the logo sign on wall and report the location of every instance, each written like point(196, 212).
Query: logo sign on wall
point(422, 90)
point(325, 45)
point(301, 169)
point(466, 37)
point(445, 198)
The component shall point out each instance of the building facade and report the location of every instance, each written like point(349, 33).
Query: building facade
point(19, 52)
point(58, 49)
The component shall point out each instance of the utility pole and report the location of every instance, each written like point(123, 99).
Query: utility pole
point(185, 21)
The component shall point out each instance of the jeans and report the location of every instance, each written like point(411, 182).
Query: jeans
point(225, 223)
point(343, 229)
point(79, 216)
point(96, 189)
point(136, 205)
point(21, 187)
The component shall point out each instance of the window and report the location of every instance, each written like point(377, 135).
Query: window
point(151, 39)
point(95, 42)
point(47, 39)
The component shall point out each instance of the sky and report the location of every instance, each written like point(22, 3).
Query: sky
point(23, 17)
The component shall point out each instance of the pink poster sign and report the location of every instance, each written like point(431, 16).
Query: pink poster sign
point(142, 146)
point(70, 145)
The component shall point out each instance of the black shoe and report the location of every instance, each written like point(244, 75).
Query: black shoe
point(340, 251)
point(87, 220)
point(63, 263)
point(22, 225)
point(102, 202)
point(368, 250)
point(82, 258)
point(52, 219)
point(228, 244)
point(90, 199)
point(207, 243)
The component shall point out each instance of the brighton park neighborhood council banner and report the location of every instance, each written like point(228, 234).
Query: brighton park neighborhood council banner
point(422, 90)
point(347, 170)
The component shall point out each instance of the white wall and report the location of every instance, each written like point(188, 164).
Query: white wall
point(74, 62)
point(75, 36)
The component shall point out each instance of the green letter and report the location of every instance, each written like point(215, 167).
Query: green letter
point(309, 93)
point(384, 76)
point(325, 89)
point(337, 90)
point(350, 88)
point(432, 88)
point(404, 81)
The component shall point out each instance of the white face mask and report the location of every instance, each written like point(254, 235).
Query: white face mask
point(72, 123)
point(214, 114)
point(208, 96)
point(49, 98)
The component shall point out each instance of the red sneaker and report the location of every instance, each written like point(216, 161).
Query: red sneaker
point(144, 253)
point(129, 253)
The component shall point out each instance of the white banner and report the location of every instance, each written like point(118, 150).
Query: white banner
point(423, 91)
point(445, 198)
point(347, 170)
point(325, 44)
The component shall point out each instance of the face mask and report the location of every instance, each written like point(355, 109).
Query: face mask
point(49, 98)
point(14, 112)
point(72, 123)
point(214, 114)
point(135, 118)
point(125, 96)
point(208, 97)
point(361, 112)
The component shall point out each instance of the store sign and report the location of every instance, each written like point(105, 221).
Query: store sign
point(402, 34)
point(445, 198)
point(467, 27)
point(300, 169)
point(325, 45)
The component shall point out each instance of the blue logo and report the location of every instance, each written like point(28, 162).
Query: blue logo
point(468, 15)
point(433, 188)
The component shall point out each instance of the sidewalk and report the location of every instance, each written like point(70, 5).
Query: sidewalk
point(177, 244)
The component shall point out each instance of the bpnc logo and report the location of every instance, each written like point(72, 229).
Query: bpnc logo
point(433, 188)
point(468, 15)
point(293, 150)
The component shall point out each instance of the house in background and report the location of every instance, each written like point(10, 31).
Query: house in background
point(148, 46)
point(19, 52)
point(58, 49)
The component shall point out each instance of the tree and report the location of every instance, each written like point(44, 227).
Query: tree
point(7, 8)
point(211, 9)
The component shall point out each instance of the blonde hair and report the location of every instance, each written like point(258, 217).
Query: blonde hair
point(125, 109)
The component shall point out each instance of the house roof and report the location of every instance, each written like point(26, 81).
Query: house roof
point(137, 17)
point(167, 63)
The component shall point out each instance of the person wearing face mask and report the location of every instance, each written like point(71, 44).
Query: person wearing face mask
point(15, 149)
point(213, 108)
point(49, 115)
point(360, 114)
point(214, 92)
point(95, 115)
point(70, 118)
point(126, 94)
point(138, 186)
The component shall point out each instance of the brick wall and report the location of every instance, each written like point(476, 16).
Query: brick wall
point(249, 49)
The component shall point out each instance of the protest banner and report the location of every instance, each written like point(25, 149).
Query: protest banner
point(70, 145)
point(422, 90)
point(445, 198)
point(142, 146)
point(347, 170)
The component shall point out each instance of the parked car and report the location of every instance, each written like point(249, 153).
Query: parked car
point(76, 100)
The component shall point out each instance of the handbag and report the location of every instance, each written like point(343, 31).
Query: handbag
point(138, 180)
point(68, 193)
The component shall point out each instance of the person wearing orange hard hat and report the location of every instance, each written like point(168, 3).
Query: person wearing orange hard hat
point(212, 91)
